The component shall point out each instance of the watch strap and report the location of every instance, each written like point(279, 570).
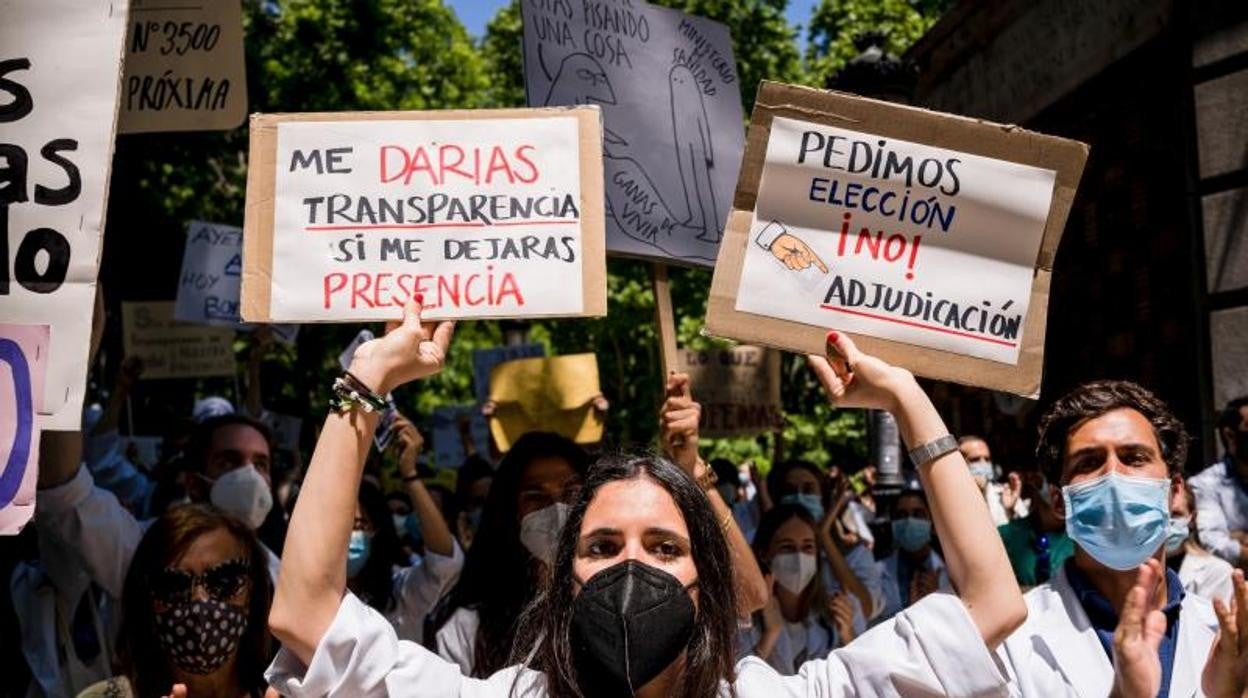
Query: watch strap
point(926, 453)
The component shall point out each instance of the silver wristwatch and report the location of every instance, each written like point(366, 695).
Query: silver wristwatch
point(926, 453)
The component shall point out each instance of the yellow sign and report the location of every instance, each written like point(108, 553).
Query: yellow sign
point(554, 394)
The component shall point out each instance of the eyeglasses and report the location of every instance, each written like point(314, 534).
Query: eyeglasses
point(222, 582)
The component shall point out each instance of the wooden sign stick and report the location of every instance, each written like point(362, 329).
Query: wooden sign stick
point(665, 318)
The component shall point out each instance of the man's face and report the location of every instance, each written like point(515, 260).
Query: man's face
point(1120, 441)
point(232, 446)
point(975, 451)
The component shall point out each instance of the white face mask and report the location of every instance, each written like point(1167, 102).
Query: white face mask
point(244, 494)
point(794, 570)
point(539, 531)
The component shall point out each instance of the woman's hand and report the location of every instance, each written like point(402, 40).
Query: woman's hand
point(842, 610)
point(678, 423)
point(409, 442)
point(409, 351)
point(854, 379)
point(177, 691)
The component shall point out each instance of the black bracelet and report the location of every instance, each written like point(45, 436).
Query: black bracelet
point(411, 478)
point(351, 392)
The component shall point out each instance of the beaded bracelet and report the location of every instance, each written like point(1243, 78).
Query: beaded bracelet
point(350, 392)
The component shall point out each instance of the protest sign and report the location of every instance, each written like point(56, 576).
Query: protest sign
point(671, 102)
point(60, 70)
point(738, 388)
point(554, 394)
point(448, 426)
point(484, 361)
point(485, 214)
point(208, 287)
point(173, 349)
point(24, 356)
point(927, 236)
point(184, 68)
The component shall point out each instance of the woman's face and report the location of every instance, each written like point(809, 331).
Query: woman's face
point(209, 562)
point(802, 481)
point(544, 482)
point(793, 536)
point(911, 507)
point(634, 520)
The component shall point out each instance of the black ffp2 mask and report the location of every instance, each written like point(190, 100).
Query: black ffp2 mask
point(629, 623)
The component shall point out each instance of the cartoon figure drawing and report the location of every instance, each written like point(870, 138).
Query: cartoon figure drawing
point(695, 154)
point(682, 219)
point(788, 249)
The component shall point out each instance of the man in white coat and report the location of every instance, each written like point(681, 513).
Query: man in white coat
point(1116, 451)
point(1222, 489)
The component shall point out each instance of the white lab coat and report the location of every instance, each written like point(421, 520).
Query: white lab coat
point(457, 639)
point(45, 596)
point(813, 637)
point(418, 588)
point(890, 582)
point(861, 561)
point(996, 508)
point(1057, 653)
point(1206, 575)
point(932, 648)
point(1221, 507)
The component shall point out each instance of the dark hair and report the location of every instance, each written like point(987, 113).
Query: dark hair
point(916, 494)
point(500, 575)
point(775, 479)
point(201, 439)
point(814, 596)
point(1230, 418)
point(545, 640)
point(375, 581)
point(140, 652)
point(725, 471)
point(1092, 400)
point(473, 469)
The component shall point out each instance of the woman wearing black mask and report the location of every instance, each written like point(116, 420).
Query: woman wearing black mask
point(641, 602)
point(194, 607)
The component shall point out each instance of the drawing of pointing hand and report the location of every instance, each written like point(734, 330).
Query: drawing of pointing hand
point(789, 249)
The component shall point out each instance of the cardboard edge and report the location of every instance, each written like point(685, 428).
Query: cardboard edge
point(1066, 157)
point(258, 221)
point(256, 286)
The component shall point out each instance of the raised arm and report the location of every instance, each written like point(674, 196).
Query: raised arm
point(433, 527)
point(975, 557)
point(314, 561)
point(679, 434)
point(840, 568)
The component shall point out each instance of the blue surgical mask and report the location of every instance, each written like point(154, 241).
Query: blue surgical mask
point(982, 469)
point(1119, 520)
point(811, 501)
point(1180, 530)
point(358, 549)
point(912, 534)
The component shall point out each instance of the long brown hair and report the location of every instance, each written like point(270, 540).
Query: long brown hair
point(140, 651)
point(544, 640)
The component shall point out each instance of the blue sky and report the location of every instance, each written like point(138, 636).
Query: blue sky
point(475, 14)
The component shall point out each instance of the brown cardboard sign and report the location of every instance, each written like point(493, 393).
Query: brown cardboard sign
point(184, 67)
point(928, 237)
point(484, 214)
point(170, 348)
point(738, 388)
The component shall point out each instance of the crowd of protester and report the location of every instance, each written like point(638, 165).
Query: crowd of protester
point(210, 576)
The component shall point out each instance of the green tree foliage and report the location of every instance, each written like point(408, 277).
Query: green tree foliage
point(835, 25)
point(342, 55)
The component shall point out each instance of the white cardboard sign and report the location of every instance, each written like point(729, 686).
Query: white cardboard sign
point(895, 239)
point(60, 73)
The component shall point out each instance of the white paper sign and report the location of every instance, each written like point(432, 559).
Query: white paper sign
point(480, 217)
point(23, 370)
point(60, 71)
point(895, 239)
point(208, 287)
point(184, 66)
